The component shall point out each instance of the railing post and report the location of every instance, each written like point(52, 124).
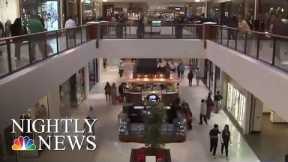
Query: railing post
point(245, 44)
point(31, 57)
point(45, 47)
point(274, 51)
point(81, 35)
point(228, 39)
point(258, 47)
point(74, 32)
point(98, 27)
point(67, 39)
point(57, 41)
point(236, 39)
point(221, 37)
point(204, 35)
point(9, 55)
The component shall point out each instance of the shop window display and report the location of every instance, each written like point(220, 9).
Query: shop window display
point(236, 104)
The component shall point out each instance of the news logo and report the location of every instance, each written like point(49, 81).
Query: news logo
point(23, 144)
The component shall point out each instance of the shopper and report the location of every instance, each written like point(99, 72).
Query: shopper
point(104, 63)
point(8, 28)
point(190, 77)
point(140, 27)
point(203, 111)
point(121, 91)
point(107, 89)
point(210, 105)
point(35, 25)
point(187, 113)
point(114, 94)
point(70, 33)
point(16, 30)
point(70, 23)
point(214, 139)
point(181, 70)
point(121, 69)
point(225, 140)
point(217, 98)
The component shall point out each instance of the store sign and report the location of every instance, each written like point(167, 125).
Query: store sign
point(53, 134)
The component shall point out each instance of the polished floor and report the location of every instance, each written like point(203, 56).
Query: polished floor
point(109, 149)
point(271, 145)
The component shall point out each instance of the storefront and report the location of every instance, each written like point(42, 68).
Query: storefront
point(9, 10)
point(93, 73)
point(49, 10)
point(212, 77)
point(91, 10)
point(38, 111)
point(236, 104)
point(80, 86)
point(242, 107)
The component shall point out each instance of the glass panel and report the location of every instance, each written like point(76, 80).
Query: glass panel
point(78, 36)
point(38, 47)
point(241, 42)
point(3, 58)
point(266, 49)
point(52, 43)
point(20, 53)
point(62, 41)
point(252, 45)
point(281, 54)
point(84, 34)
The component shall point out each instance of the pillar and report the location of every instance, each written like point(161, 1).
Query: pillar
point(54, 103)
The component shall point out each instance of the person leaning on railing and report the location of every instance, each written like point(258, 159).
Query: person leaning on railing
point(16, 30)
point(35, 25)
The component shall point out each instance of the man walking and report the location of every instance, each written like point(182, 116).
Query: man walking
point(203, 111)
point(190, 77)
point(214, 139)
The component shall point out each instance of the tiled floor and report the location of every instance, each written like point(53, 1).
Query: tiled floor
point(271, 145)
point(195, 149)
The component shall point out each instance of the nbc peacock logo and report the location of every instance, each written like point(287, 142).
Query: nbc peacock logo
point(23, 144)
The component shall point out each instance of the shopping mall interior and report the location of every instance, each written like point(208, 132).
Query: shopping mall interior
point(147, 80)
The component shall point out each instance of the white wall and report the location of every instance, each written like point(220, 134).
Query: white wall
point(22, 90)
point(266, 83)
point(151, 48)
point(10, 11)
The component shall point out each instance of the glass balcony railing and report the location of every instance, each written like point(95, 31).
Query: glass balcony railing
point(152, 31)
point(19, 52)
point(266, 47)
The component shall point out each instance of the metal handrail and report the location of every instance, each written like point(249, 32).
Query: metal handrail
point(41, 33)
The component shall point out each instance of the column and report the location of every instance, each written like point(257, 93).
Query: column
point(54, 103)
point(86, 75)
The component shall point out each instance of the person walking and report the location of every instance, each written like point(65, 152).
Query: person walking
point(121, 91)
point(214, 132)
point(217, 98)
point(190, 77)
point(210, 105)
point(203, 111)
point(16, 30)
point(181, 70)
point(114, 94)
point(71, 36)
point(187, 113)
point(225, 140)
point(107, 90)
point(35, 25)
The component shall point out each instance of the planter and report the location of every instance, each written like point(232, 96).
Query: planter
point(143, 154)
